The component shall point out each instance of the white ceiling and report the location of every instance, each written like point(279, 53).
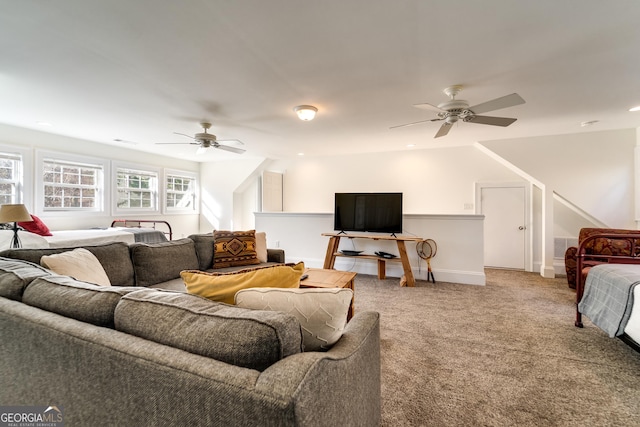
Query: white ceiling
point(139, 70)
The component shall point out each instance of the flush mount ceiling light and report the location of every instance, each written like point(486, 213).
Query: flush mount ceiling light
point(635, 108)
point(306, 112)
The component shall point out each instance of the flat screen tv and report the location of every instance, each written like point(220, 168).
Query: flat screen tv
point(373, 212)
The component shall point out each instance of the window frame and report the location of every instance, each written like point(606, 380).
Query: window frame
point(102, 186)
point(167, 210)
point(18, 180)
point(156, 193)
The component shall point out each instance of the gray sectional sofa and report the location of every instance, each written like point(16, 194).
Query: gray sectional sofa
point(139, 353)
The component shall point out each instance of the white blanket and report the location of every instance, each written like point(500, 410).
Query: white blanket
point(66, 238)
point(72, 238)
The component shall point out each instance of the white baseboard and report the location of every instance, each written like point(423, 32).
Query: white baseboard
point(558, 267)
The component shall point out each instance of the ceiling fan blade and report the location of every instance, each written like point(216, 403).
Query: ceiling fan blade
point(184, 134)
point(493, 121)
point(444, 129)
point(498, 103)
point(426, 106)
point(230, 141)
point(415, 123)
point(230, 149)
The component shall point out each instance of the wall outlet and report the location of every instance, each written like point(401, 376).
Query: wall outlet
point(468, 206)
point(277, 243)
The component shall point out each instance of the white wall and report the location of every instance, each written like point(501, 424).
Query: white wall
point(460, 239)
point(593, 170)
point(29, 141)
point(434, 181)
point(220, 183)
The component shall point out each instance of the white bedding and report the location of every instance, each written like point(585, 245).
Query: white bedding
point(633, 325)
point(28, 240)
point(72, 238)
point(66, 238)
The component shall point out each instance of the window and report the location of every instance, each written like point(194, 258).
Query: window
point(10, 178)
point(180, 192)
point(136, 189)
point(71, 186)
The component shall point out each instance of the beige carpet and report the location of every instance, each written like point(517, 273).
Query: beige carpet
point(504, 354)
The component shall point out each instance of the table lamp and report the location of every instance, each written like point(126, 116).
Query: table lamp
point(14, 213)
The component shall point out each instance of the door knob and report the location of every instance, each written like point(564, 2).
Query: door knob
point(522, 227)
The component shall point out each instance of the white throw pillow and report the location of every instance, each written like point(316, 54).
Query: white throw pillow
point(322, 312)
point(261, 246)
point(79, 264)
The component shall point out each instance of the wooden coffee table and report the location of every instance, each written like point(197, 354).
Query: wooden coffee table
point(320, 278)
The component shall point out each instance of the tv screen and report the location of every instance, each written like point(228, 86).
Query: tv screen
point(374, 212)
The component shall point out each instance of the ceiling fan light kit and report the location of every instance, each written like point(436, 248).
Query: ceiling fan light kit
point(305, 112)
point(452, 111)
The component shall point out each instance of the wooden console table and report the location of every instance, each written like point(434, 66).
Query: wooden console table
point(334, 243)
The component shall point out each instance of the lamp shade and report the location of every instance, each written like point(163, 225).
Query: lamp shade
point(306, 112)
point(14, 213)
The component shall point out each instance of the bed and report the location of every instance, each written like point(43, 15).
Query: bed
point(607, 290)
point(127, 231)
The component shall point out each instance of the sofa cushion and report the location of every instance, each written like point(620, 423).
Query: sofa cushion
point(15, 275)
point(223, 286)
point(204, 250)
point(249, 338)
point(233, 248)
point(159, 262)
point(114, 258)
point(322, 312)
point(78, 300)
point(79, 264)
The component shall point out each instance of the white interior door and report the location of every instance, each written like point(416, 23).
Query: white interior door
point(505, 222)
point(272, 192)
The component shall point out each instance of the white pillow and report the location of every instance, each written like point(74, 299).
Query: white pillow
point(322, 312)
point(79, 264)
point(261, 246)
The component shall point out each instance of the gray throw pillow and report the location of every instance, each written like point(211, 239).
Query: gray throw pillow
point(159, 262)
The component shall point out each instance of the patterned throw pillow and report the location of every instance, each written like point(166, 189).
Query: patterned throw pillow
point(234, 248)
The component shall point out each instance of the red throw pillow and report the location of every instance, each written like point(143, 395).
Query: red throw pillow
point(36, 226)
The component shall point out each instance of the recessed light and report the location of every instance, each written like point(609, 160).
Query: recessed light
point(300, 154)
point(411, 145)
point(44, 124)
point(636, 108)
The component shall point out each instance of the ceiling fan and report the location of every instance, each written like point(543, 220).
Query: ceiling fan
point(206, 140)
point(455, 109)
